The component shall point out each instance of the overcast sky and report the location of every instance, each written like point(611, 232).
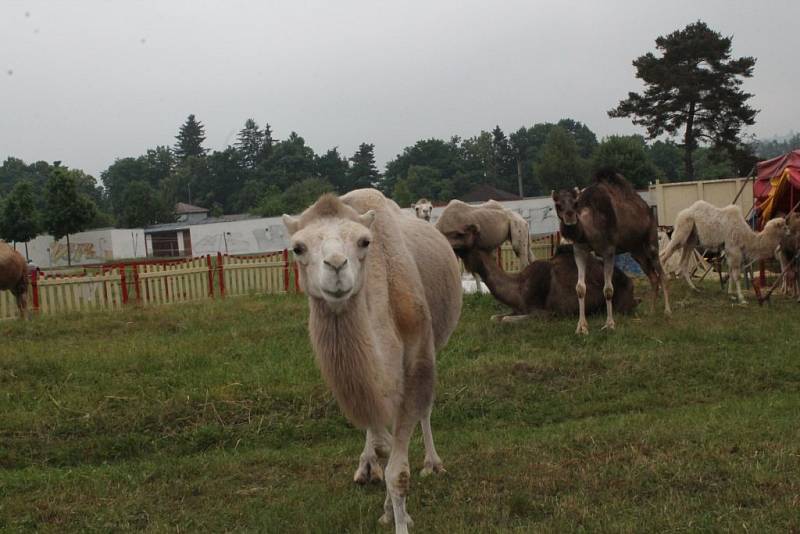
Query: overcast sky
point(88, 81)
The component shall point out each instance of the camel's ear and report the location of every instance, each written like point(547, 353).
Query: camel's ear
point(554, 195)
point(291, 223)
point(576, 192)
point(367, 219)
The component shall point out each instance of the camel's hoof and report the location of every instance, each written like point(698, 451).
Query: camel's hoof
point(369, 471)
point(386, 519)
point(668, 312)
point(582, 329)
point(497, 318)
point(610, 325)
point(432, 468)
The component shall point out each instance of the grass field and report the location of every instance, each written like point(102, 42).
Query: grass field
point(213, 418)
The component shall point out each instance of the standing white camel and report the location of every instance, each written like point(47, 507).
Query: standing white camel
point(384, 295)
point(712, 227)
point(423, 209)
point(492, 222)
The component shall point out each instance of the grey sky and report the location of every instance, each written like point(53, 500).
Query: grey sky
point(89, 81)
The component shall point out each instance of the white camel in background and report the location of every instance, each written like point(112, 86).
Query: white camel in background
point(712, 227)
point(423, 209)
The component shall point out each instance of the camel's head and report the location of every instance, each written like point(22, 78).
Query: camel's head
point(423, 209)
point(330, 241)
point(566, 201)
point(463, 238)
point(777, 226)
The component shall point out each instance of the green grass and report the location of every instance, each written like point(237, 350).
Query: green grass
point(213, 417)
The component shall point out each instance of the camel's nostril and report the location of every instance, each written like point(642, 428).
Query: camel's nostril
point(336, 263)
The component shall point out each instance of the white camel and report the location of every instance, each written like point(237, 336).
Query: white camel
point(712, 227)
point(423, 209)
point(492, 222)
point(384, 295)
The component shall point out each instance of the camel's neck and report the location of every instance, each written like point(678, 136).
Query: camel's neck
point(761, 245)
point(503, 286)
point(348, 357)
point(573, 232)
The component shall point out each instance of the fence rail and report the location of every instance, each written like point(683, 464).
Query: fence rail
point(149, 283)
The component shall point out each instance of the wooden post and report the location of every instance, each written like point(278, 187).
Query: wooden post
point(35, 289)
point(123, 284)
point(210, 276)
point(221, 272)
point(286, 270)
point(136, 282)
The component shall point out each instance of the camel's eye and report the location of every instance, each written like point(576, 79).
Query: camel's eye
point(363, 242)
point(299, 249)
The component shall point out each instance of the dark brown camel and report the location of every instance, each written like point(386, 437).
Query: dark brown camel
point(14, 276)
point(606, 218)
point(787, 255)
point(547, 286)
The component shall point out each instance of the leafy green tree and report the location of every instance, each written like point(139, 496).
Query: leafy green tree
point(712, 164)
point(363, 172)
point(143, 206)
point(67, 209)
point(294, 199)
point(771, 148)
point(502, 171)
point(190, 139)
point(628, 155)
point(446, 156)
point(584, 137)
point(559, 164)
point(190, 182)
point(20, 221)
point(694, 86)
point(519, 144)
point(291, 161)
point(402, 194)
point(250, 143)
point(668, 159)
point(334, 168)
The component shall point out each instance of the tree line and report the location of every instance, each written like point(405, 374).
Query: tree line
point(692, 109)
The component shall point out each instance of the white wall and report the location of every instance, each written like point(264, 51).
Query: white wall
point(94, 246)
point(239, 237)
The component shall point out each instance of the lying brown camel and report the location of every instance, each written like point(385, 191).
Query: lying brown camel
point(14, 276)
point(547, 286)
point(609, 217)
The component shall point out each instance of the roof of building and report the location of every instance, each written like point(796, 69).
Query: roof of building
point(182, 208)
point(484, 192)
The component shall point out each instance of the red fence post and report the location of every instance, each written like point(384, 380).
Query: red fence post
point(35, 289)
point(123, 284)
point(210, 276)
point(221, 275)
point(136, 283)
point(286, 270)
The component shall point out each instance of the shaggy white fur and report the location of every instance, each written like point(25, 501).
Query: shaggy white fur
point(712, 227)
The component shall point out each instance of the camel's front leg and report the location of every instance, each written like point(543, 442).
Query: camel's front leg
point(378, 444)
point(433, 464)
point(734, 267)
point(581, 253)
point(398, 476)
point(608, 288)
point(477, 283)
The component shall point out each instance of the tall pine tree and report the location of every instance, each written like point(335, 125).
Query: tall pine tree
point(250, 143)
point(190, 139)
point(693, 87)
point(363, 172)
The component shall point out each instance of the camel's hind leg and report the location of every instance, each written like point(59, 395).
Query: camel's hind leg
point(21, 295)
point(686, 272)
point(378, 444)
point(477, 283)
point(650, 264)
point(581, 253)
point(433, 464)
point(680, 235)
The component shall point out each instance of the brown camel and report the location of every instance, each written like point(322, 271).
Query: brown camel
point(14, 276)
point(608, 217)
point(384, 294)
point(546, 285)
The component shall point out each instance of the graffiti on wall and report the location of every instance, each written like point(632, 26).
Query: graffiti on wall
point(79, 252)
